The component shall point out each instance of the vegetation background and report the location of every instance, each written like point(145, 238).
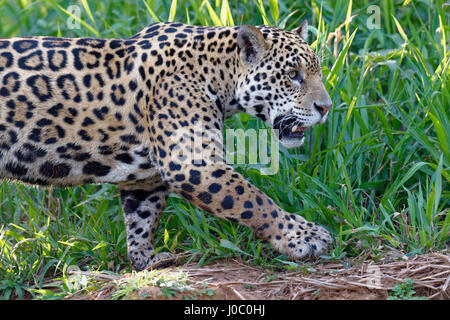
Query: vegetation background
point(375, 174)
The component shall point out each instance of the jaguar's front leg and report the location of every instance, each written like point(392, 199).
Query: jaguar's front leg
point(143, 204)
point(218, 189)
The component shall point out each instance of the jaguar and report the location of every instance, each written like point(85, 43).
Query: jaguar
point(126, 111)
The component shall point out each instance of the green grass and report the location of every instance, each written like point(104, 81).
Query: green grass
point(404, 291)
point(375, 174)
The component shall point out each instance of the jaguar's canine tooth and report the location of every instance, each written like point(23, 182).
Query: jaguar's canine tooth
point(294, 128)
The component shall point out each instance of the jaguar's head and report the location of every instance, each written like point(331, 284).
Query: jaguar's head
point(282, 81)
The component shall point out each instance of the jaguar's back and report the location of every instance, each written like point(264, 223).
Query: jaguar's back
point(71, 111)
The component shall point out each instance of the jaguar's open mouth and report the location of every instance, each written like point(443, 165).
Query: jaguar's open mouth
point(291, 131)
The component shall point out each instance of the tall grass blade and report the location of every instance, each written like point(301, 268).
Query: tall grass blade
point(173, 11)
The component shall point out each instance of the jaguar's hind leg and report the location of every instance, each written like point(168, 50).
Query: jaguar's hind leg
point(143, 204)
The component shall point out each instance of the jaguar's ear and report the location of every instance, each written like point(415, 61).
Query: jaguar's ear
point(302, 31)
point(251, 44)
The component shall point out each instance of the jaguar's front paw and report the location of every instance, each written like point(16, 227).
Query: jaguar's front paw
point(299, 238)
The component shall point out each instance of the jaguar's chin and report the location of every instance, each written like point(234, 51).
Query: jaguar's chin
point(292, 142)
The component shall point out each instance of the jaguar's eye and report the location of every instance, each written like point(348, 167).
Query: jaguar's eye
point(293, 74)
point(296, 76)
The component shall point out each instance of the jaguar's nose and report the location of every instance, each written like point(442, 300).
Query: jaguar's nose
point(323, 109)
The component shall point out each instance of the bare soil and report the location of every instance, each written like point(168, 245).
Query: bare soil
point(234, 280)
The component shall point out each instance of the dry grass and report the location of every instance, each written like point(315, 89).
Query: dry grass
point(233, 280)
